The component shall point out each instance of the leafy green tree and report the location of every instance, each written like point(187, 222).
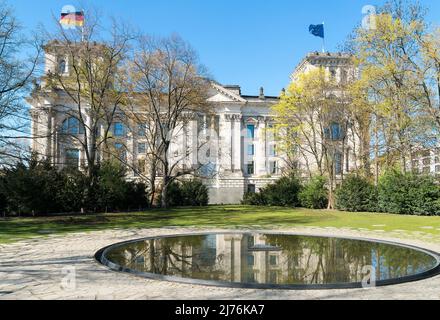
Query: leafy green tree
point(314, 194)
point(356, 194)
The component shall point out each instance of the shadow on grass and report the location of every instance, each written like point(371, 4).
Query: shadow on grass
point(212, 216)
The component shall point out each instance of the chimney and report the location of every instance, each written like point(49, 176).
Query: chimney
point(262, 97)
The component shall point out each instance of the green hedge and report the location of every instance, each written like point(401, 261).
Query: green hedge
point(356, 194)
point(187, 193)
point(314, 195)
point(283, 192)
point(38, 188)
point(408, 194)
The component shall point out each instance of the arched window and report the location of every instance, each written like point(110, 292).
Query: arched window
point(62, 66)
point(72, 126)
point(334, 132)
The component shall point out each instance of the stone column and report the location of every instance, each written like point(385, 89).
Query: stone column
point(237, 145)
point(193, 143)
point(131, 150)
point(225, 138)
point(261, 151)
point(34, 129)
point(53, 137)
point(48, 123)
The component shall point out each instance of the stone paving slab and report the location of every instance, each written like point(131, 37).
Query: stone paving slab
point(36, 269)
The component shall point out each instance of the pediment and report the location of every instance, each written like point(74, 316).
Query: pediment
point(221, 94)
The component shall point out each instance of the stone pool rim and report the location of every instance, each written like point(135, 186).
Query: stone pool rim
point(103, 261)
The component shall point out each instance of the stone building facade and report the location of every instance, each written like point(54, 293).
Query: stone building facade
point(247, 152)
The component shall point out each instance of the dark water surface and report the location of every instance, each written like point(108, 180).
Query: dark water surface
point(270, 259)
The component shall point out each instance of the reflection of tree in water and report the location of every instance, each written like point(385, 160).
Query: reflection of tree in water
point(313, 260)
point(184, 256)
point(302, 259)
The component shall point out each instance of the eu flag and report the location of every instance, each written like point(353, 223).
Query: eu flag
point(317, 30)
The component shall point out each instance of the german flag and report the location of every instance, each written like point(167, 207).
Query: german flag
point(74, 19)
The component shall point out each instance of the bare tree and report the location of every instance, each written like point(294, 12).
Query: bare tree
point(170, 88)
point(83, 78)
point(16, 76)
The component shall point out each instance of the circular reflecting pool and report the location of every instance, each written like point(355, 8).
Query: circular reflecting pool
point(277, 261)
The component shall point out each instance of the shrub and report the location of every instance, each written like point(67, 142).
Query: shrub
point(194, 193)
point(356, 194)
point(283, 192)
point(38, 188)
point(314, 195)
point(31, 189)
point(187, 193)
point(3, 197)
point(407, 193)
point(254, 199)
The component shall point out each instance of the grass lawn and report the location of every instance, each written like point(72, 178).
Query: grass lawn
point(13, 229)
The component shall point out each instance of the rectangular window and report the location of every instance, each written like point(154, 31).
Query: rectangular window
point(251, 131)
point(416, 163)
point(336, 131)
point(251, 188)
point(427, 170)
point(119, 129)
point(251, 260)
point(427, 161)
point(437, 169)
point(273, 150)
point(251, 150)
point(273, 277)
point(72, 158)
point(142, 148)
point(251, 168)
point(142, 166)
point(273, 261)
point(142, 130)
point(273, 167)
point(251, 241)
point(120, 149)
point(338, 163)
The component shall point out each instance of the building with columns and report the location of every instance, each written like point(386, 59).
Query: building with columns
point(246, 160)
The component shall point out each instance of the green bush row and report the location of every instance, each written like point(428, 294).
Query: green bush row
point(289, 192)
point(397, 192)
point(188, 193)
point(38, 188)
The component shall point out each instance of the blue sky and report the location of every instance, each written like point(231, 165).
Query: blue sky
point(250, 43)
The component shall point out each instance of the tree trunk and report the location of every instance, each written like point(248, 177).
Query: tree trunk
point(164, 198)
point(331, 197)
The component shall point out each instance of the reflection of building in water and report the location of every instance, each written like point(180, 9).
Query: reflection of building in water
point(248, 260)
point(263, 259)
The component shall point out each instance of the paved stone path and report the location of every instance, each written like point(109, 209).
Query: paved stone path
point(40, 269)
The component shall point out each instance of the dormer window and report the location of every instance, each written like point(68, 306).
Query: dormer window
point(62, 66)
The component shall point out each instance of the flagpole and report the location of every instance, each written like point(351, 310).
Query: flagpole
point(82, 28)
point(323, 40)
